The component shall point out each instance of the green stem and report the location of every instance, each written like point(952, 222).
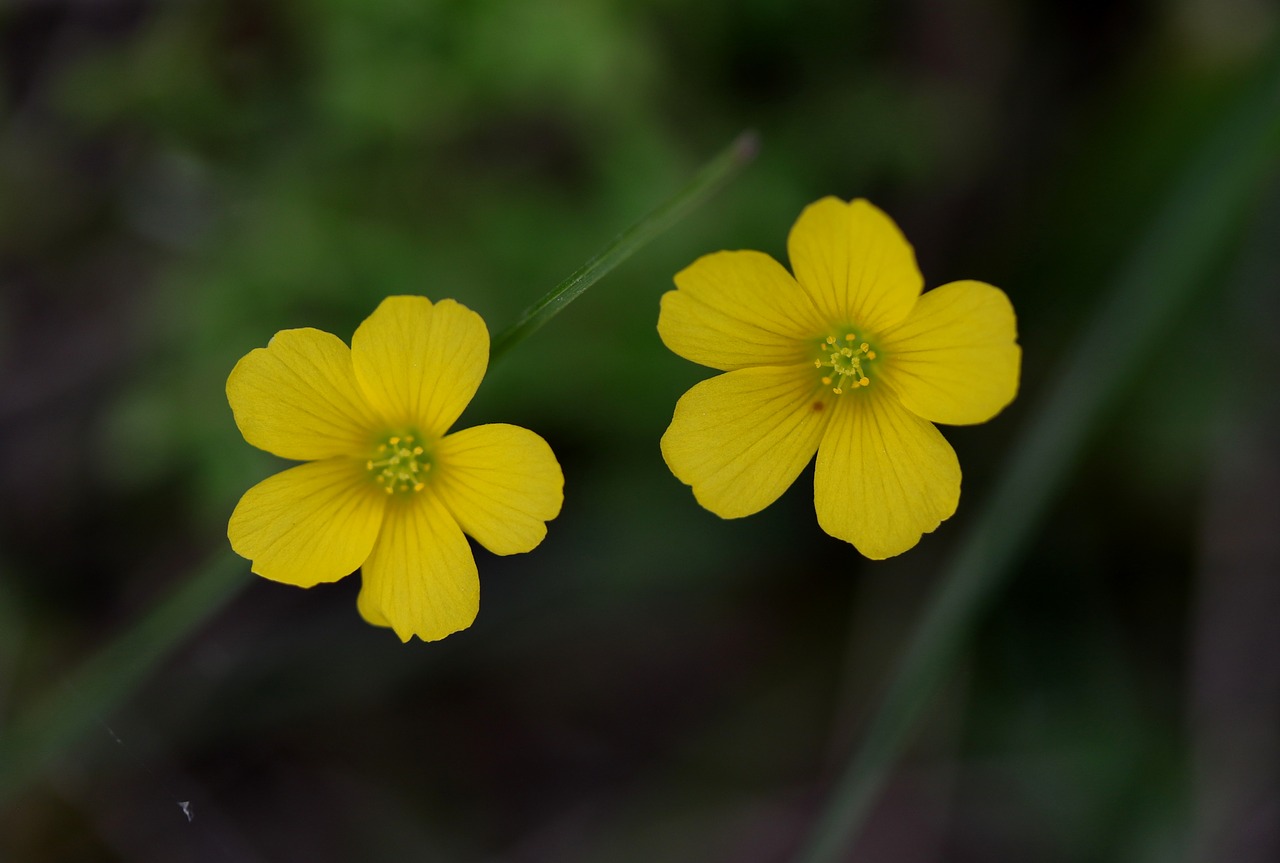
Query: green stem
point(1164, 273)
point(714, 175)
point(108, 678)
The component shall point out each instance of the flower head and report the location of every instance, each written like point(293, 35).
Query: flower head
point(846, 359)
point(385, 488)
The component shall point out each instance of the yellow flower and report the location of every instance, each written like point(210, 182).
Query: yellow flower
point(384, 487)
point(847, 359)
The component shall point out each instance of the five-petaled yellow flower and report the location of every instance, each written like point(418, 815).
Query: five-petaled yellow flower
point(847, 359)
point(384, 488)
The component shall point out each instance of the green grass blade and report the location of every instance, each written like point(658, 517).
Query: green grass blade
point(72, 706)
point(1164, 273)
point(712, 176)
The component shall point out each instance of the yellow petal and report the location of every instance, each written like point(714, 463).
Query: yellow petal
point(421, 577)
point(855, 263)
point(418, 363)
point(740, 439)
point(368, 610)
point(955, 359)
point(501, 483)
point(309, 524)
point(298, 398)
point(884, 476)
point(738, 309)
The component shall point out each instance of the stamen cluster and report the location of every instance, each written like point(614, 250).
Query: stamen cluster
point(399, 465)
point(845, 361)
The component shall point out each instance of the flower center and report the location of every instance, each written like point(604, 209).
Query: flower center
point(846, 361)
point(399, 464)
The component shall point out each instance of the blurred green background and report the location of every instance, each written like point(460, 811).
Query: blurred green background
point(179, 180)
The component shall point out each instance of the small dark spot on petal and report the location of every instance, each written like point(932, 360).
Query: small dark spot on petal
point(817, 406)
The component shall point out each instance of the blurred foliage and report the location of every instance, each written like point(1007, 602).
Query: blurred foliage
point(180, 180)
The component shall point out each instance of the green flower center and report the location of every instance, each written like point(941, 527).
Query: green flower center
point(845, 362)
point(400, 464)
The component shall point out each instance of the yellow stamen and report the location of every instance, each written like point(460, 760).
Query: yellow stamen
point(845, 362)
point(398, 464)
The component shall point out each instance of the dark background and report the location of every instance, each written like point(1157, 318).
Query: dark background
point(179, 180)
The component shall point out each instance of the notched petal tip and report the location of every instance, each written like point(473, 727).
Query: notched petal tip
point(502, 483)
point(956, 359)
point(404, 301)
point(310, 524)
point(740, 439)
point(884, 477)
point(736, 309)
point(855, 263)
point(421, 576)
point(420, 363)
point(298, 398)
